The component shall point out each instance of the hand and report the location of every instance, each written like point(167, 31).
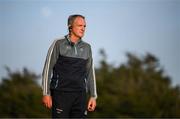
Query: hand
point(47, 101)
point(91, 104)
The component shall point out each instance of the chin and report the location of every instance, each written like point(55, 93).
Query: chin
point(80, 36)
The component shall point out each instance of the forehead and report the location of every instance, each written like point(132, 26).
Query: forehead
point(79, 20)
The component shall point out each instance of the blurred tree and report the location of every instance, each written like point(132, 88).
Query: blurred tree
point(137, 88)
point(21, 96)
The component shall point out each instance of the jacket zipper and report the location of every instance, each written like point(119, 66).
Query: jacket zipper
point(75, 50)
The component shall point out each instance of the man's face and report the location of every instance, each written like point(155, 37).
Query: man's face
point(78, 27)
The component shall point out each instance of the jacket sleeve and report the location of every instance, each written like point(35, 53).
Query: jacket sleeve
point(91, 80)
point(51, 59)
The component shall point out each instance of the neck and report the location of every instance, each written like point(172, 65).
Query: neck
point(74, 38)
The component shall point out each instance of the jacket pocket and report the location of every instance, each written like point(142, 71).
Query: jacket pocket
point(54, 83)
point(85, 84)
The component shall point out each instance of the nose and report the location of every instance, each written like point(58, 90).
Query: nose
point(83, 28)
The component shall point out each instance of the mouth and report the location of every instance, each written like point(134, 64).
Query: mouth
point(81, 32)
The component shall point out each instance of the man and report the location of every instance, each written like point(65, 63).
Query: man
point(69, 73)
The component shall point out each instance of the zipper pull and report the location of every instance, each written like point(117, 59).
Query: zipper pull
point(75, 49)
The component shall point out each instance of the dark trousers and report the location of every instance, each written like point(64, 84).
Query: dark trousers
point(68, 104)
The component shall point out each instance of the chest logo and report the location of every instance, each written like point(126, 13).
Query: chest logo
point(81, 49)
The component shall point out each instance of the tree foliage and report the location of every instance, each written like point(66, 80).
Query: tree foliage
point(21, 96)
point(137, 88)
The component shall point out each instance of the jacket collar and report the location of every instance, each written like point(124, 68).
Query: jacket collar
point(70, 42)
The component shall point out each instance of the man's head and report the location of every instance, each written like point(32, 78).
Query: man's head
point(76, 25)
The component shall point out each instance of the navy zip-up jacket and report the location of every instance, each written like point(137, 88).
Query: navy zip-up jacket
point(69, 67)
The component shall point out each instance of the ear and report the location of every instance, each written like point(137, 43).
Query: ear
point(70, 27)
